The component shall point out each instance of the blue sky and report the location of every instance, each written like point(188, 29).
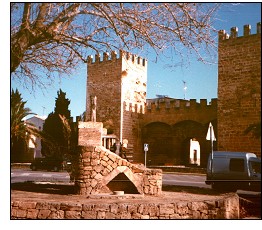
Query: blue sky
point(201, 79)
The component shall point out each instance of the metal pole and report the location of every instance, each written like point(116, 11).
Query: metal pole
point(211, 139)
point(145, 158)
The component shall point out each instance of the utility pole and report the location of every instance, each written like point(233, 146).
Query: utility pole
point(43, 110)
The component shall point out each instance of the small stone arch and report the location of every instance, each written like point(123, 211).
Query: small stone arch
point(135, 179)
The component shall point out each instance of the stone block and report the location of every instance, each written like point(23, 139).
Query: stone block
point(14, 212)
point(105, 158)
point(112, 157)
point(43, 213)
point(27, 205)
point(93, 174)
point(90, 133)
point(42, 205)
point(98, 168)
point(21, 213)
point(144, 217)
point(109, 215)
point(132, 208)
point(181, 208)
point(101, 215)
point(89, 214)
point(86, 155)
point(122, 208)
point(59, 214)
point(71, 207)
point(175, 216)
point(93, 183)
point(166, 209)
point(114, 208)
point(72, 214)
point(124, 215)
point(32, 213)
point(105, 172)
point(87, 168)
point(98, 176)
point(109, 167)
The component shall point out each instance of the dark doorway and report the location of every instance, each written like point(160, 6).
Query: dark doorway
point(122, 183)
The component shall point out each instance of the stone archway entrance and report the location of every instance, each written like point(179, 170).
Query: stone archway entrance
point(183, 143)
point(159, 137)
point(186, 134)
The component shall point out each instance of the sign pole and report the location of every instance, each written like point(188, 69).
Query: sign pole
point(211, 136)
point(145, 158)
point(145, 149)
point(212, 155)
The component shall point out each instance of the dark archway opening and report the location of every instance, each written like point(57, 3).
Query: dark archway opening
point(122, 183)
point(184, 154)
point(159, 139)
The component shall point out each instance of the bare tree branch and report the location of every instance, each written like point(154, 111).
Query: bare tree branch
point(51, 38)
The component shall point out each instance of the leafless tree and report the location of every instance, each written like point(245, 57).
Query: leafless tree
point(53, 38)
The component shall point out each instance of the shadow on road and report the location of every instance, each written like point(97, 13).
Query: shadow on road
point(44, 188)
point(66, 189)
point(190, 189)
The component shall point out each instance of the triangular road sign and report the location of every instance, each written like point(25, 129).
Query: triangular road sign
point(210, 133)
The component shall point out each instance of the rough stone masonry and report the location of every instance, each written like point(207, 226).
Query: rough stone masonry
point(98, 170)
point(98, 167)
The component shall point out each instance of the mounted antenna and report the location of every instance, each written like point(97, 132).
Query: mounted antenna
point(185, 88)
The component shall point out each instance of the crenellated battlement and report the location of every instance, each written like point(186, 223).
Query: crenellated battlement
point(113, 57)
point(171, 103)
point(222, 35)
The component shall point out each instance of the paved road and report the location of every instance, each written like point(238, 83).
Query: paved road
point(22, 175)
point(185, 180)
point(179, 179)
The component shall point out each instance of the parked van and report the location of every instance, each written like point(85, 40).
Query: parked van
point(231, 171)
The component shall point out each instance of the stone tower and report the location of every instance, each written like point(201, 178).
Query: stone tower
point(119, 83)
point(239, 89)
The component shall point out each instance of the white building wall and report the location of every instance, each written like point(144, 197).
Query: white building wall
point(38, 121)
point(194, 152)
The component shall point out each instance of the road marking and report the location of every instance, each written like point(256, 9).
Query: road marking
point(47, 175)
point(25, 174)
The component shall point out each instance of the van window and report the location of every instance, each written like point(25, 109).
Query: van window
point(236, 165)
point(256, 167)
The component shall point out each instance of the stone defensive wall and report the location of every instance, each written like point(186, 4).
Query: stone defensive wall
point(172, 111)
point(239, 89)
point(127, 207)
point(165, 105)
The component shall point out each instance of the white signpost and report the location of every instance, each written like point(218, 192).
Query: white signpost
point(211, 137)
point(145, 149)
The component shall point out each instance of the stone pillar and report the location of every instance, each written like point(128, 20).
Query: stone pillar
point(234, 32)
point(247, 30)
point(90, 133)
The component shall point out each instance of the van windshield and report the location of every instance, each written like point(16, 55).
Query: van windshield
point(256, 166)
